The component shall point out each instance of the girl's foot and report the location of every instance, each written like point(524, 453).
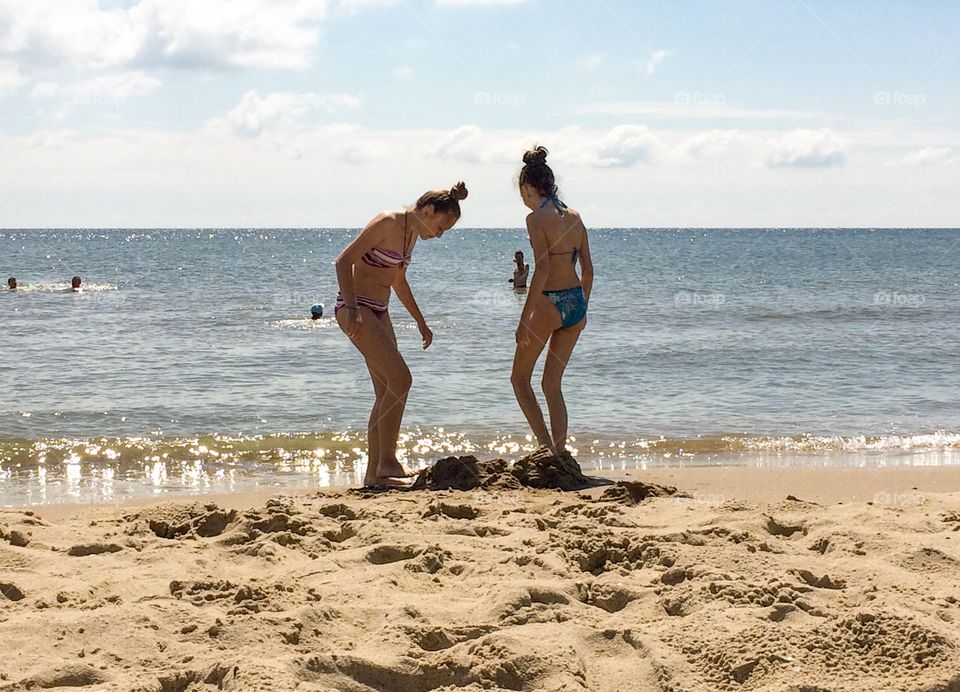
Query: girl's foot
point(394, 469)
point(547, 448)
point(386, 483)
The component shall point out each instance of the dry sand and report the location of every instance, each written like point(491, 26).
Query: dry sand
point(734, 587)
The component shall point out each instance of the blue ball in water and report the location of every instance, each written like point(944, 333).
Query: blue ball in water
point(316, 311)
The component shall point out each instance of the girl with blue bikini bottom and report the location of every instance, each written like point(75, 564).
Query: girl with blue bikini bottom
point(556, 308)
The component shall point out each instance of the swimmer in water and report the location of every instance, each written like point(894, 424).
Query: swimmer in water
point(519, 279)
point(75, 285)
point(12, 283)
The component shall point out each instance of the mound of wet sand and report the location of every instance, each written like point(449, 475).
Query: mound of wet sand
point(541, 470)
point(635, 492)
point(545, 471)
point(466, 473)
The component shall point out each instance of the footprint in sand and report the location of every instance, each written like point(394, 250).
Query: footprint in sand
point(10, 591)
point(84, 549)
point(386, 554)
point(69, 676)
point(776, 527)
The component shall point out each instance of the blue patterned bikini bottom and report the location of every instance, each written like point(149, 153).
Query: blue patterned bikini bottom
point(571, 303)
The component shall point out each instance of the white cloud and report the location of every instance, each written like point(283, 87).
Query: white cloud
point(715, 146)
point(10, 77)
point(930, 156)
point(116, 86)
point(656, 57)
point(360, 151)
point(469, 144)
point(624, 145)
point(309, 179)
point(110, 89)
point(619, 147)
point(213, 34)
point(280, 110)
point(403, 72)
point(821, 148)
point(45, 90)
point(50, 139)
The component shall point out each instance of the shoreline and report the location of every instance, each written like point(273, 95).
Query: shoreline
point(891, 486)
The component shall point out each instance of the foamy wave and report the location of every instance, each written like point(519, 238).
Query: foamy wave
point(420, 446)
point(924, 442)
point(304, 324)
point(64, 288)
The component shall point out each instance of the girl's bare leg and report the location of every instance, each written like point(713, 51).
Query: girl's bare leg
point(542, 324)
point(558, 355)
point(373, 431)
point(377, 344)
point(389, 466)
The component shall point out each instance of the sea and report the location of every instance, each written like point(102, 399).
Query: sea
point(189, 363)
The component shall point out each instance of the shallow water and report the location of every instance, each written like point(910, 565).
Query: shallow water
point(734, 346)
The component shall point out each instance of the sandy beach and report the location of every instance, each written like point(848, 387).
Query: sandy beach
point(726, 583)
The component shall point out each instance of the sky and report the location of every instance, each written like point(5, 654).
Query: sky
point(321, 113)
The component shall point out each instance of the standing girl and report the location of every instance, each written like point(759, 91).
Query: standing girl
point(556, 308)
point(369, 267)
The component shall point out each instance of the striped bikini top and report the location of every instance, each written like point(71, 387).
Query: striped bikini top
point(388, 259)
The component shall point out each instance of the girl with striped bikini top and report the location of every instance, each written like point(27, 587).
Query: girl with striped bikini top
point(370, 265)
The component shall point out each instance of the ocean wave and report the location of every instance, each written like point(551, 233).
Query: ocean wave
point(346, 448)
point(63, 287)
point(884, 312)
point(304, 324)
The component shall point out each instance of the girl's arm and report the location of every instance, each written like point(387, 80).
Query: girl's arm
point(374, 233)
point(541, 272)
point(586, 265)
point(402, 288)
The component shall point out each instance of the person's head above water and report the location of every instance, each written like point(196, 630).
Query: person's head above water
point(75, 283)
point(12, 283)
point(438, 211)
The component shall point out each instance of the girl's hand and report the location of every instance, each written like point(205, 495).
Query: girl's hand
point(426, 334)
point(523, 334)
point(353, 325)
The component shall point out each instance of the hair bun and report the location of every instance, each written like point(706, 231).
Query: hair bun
point(459, 191)
point(536, 156)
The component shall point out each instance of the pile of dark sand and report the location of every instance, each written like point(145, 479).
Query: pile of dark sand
point(540, 470)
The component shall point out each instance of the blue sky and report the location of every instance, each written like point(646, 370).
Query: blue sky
point(323, 112)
